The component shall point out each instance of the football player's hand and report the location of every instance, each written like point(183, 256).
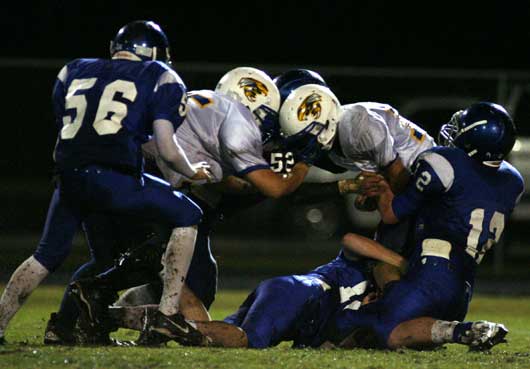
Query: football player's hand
point(370, 181)
point(202, 172)
point(375, 185)
point(364, 203)
point(356, 185)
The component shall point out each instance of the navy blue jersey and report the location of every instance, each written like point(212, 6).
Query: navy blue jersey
point(346, 283)
point(461, 201)
point(105, 109)
point(296, 307)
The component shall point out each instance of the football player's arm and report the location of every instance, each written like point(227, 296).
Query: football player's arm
point(170, 151)
point(397, 175)
point(273, 185)
point(233, 185)
point(433, 176)
point(386, 273)
point(369, 248)
point(149, 150)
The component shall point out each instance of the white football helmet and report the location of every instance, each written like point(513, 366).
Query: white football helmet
point(311, 110)
point(256, 90)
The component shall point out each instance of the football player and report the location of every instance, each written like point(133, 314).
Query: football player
point(456, 226)
point(105, 109)
point(228, 127)
point(291, 307)
point(372, 138)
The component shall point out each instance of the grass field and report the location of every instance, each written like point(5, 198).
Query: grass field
point(25, 348)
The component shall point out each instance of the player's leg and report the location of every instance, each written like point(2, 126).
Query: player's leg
point(202, 274)
point(201, 278)
point(93, 296)
point(59, 230)
point(419, 294)
point(152, 200)
point(426, 331)
point(435, 290)
point(102, 235)
point(276, 308)
point(131, 316)
point(183, 215)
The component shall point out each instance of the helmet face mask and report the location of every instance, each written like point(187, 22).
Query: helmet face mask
point(310, 114)
point(254, 89)
point(449, 131)
point(145, 39)
point(485, 131)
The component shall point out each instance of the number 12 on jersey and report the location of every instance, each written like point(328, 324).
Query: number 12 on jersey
point(495, 228)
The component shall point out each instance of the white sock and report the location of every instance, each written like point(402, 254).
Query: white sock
point(24, 280)
point(177, 261)
point(442, 331)
point(141, 295)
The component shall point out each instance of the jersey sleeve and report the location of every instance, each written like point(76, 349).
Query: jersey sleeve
point(432, 175)
point(240, 141)
point(58, 96)
point(169, 99)
point(376, 141)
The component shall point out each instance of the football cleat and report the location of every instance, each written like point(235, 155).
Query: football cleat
point(56, 334)
point(484, 335)
point(94, 321)
point(173, 327)
point(148, 337)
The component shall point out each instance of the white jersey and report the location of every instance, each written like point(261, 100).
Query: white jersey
point(221, 132)
point(373, 135)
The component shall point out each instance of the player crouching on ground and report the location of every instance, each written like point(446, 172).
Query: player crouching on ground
point(456, 226)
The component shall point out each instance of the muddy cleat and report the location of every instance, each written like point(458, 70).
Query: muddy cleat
point(484, 335)
point(147, 337)
point(175, 328)
point(94, 321)
point(55, 334)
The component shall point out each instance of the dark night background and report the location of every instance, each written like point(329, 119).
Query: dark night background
point(354, 33)
point(365, 50)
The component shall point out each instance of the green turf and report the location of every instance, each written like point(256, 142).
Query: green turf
point(25, 349)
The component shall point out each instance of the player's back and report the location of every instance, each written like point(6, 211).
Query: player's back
point(472, 205)
point(371, 134)
point(222, 132)
point(346, 283)
point(105, 109)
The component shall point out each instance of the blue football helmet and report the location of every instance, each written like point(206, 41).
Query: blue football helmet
point(485, 131)
point(145, 39)
point(294, 78)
